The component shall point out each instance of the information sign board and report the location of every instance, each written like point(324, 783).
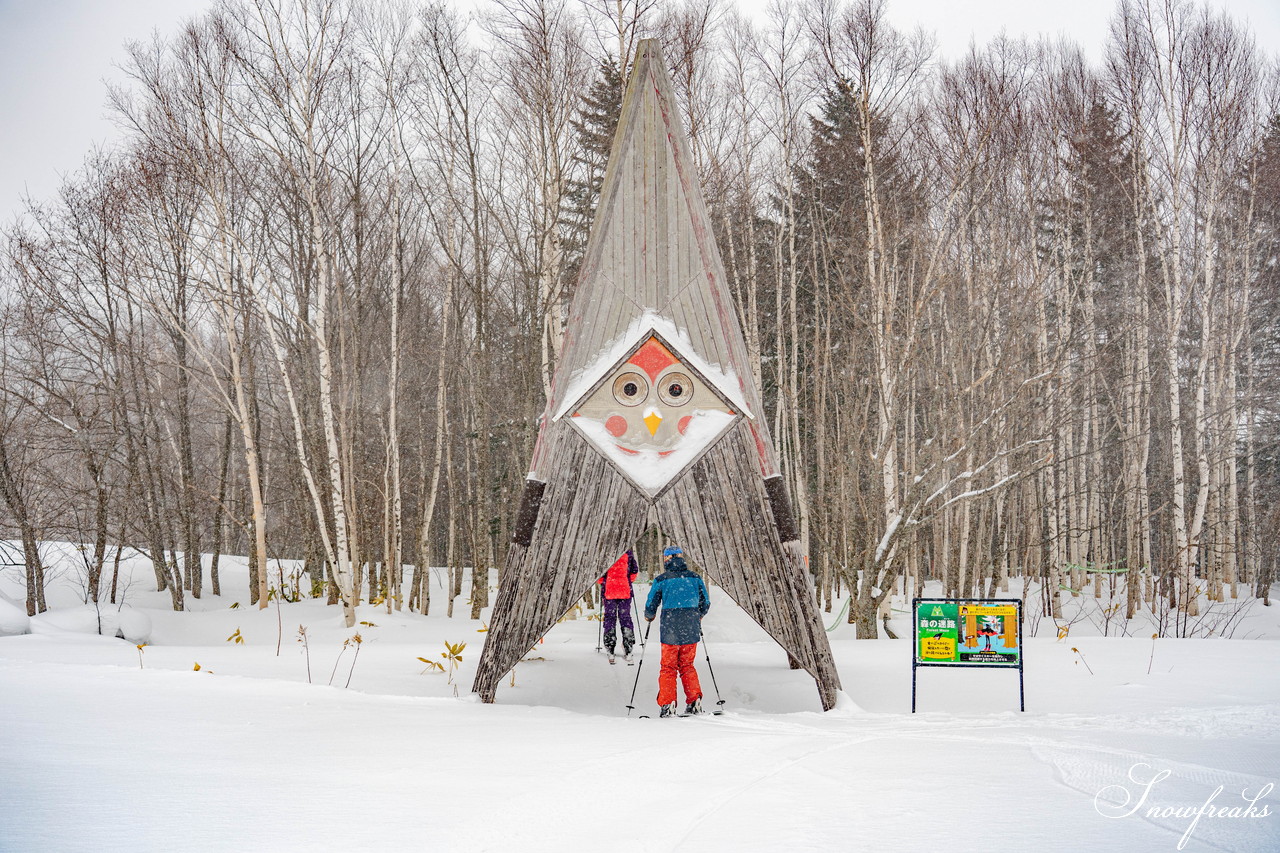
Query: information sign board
point(967, 632)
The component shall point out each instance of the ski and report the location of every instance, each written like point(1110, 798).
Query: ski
point(716, 713)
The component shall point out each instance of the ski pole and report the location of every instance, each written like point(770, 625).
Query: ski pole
point(707, 652)
point(600, 625)
point(631, 706)
point(635, 607)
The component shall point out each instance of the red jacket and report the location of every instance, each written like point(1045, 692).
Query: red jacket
point(617, 580)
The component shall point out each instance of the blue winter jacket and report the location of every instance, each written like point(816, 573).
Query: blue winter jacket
point(684, 601)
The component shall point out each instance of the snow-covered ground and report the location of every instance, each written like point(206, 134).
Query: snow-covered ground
point(105, 746)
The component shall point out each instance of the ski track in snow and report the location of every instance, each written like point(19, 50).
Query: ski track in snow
point(1087, 769)
point(734, 793)
point(1104, 774)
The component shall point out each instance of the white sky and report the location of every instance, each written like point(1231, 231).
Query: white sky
point(56, 54)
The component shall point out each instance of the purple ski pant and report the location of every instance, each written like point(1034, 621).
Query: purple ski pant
point(618, 610)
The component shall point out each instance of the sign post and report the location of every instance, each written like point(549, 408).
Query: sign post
point(968, 632)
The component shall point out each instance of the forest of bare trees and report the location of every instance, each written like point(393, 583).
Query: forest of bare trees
point(1014, 315)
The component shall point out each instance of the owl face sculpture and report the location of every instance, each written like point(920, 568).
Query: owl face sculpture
point(653, 414)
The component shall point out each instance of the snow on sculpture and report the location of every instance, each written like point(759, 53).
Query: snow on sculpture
point(653, 414)
point(653, 411)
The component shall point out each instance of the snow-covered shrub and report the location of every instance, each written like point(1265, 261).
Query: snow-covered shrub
point(13, 620)
point(125, 623)
point(76, 620)
point(133, 625)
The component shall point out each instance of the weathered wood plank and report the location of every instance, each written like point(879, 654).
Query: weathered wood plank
point(590, 514)
point(743, 552)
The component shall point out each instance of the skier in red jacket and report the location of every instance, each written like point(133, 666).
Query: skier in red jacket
point(616, 596)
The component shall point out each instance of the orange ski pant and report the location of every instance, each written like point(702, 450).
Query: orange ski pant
point(678, 659)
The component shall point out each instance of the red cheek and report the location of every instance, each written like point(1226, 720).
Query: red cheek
point(684, 423)
point(616, 425)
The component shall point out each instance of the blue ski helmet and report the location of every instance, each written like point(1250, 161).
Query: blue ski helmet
point(672, 551)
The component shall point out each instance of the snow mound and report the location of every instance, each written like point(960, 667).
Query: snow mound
point(69, 620)
point(12, 620)
point(125, 623)
point(133, 625)
point(845, 704)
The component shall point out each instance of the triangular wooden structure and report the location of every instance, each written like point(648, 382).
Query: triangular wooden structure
point(654, 408)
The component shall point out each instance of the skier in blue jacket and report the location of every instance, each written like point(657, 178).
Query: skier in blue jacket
point(684, 601)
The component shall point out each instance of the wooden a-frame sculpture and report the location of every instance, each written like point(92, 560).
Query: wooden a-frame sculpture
point(654, 409)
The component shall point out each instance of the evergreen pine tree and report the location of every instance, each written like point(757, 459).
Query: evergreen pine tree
point(829, 195)
point(594, 128)
point(1097, 163)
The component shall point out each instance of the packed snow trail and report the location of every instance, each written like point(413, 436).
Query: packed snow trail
point(106, 746)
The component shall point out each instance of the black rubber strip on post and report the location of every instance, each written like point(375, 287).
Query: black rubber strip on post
point(781, 505)
point(530, 503)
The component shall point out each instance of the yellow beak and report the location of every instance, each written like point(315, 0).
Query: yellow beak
point(652, 420)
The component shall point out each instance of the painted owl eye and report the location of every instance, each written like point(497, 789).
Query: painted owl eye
point(630, 389)
point(675, 389)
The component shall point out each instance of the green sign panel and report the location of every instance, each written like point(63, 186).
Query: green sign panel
point(960, 631)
